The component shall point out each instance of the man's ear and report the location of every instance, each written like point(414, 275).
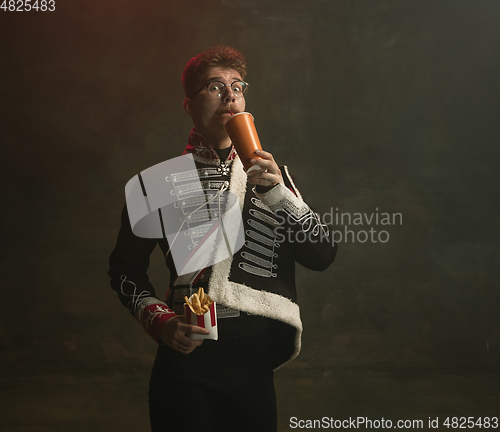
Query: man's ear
point(188, 105)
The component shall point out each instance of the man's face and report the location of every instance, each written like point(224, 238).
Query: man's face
point(209, 112)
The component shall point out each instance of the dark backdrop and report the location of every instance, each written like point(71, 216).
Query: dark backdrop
point(375, 106)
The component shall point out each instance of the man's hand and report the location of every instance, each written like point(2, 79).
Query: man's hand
point(269, 173)
point(174, 332)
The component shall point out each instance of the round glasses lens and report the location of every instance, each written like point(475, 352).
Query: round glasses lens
point(215, 88)
point(238, 88)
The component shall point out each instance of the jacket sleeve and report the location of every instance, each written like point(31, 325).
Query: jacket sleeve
point(311, 240)
point(128, 266)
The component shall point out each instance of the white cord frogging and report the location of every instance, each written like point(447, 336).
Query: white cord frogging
point(135, 298)
point(216, 195)
point(310, 218)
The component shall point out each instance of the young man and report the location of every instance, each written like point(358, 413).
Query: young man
point(225, 385)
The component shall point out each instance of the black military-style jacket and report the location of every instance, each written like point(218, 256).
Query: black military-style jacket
point(280, 229)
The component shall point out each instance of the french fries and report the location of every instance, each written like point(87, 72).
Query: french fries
point(199, 303)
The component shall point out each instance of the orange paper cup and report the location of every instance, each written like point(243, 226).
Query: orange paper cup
point(241, 129)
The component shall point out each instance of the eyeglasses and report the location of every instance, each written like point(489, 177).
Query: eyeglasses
point(215, 88)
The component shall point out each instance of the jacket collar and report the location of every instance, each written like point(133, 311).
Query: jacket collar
point(202, 152)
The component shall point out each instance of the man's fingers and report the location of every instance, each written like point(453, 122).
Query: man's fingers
point(183, 349)
point(269, 172)
point(188, 328)
point(266, 178)
point(264, 175)
point(264, 154)
point(264, 164)
point(174, 332)
point(186, 343)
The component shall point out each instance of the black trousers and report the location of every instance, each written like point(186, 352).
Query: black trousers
point(224, 385)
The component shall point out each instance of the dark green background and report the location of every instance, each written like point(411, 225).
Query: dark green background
point(390, 105)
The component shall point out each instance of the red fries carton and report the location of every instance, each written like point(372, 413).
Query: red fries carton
point(207, 320)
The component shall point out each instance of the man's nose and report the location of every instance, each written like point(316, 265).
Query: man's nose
point(228, 95)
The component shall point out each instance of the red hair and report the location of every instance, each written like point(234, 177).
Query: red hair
point(217, 55)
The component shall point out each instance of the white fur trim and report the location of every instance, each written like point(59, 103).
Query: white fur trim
point(242, 297)
point(263, 303)
point(292, 183)
point(238, 184)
